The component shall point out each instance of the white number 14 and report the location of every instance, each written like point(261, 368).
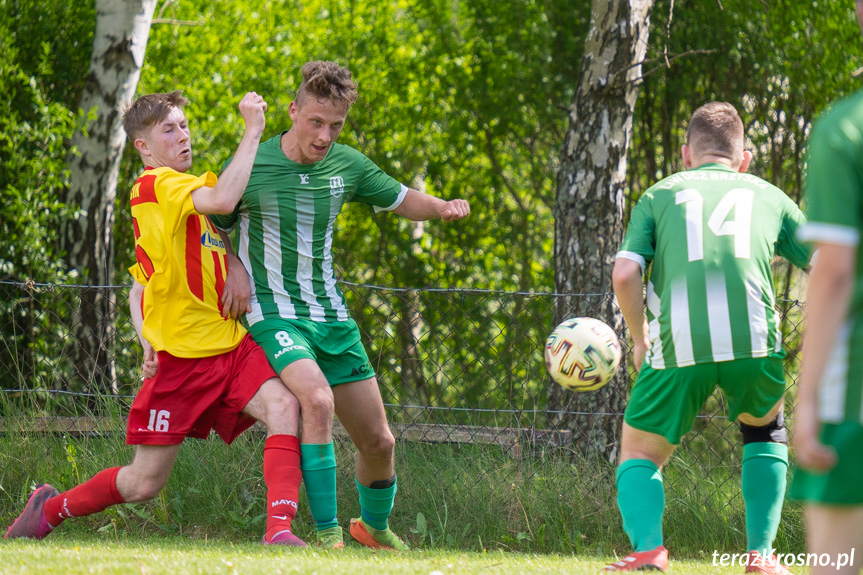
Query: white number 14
point(739, 199)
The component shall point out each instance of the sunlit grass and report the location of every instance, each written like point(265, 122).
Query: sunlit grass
point(72, 554)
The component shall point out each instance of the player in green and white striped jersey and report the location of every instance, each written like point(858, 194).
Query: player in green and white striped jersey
point(710, 233)
point(300, 181)
point(828, 422)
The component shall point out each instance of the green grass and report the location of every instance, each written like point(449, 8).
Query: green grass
point(63, 553)
point(455, 498)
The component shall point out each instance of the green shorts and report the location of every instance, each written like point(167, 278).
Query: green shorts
point(335, 347)
point(666, 401)
point(841, 485)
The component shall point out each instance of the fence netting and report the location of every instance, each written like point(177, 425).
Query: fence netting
point(459, 370)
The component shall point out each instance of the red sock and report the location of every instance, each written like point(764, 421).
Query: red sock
point(92, 496)
point(282, 476)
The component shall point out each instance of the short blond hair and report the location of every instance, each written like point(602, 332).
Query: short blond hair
point(149, 110)
point(716, 128)
point(325, 80)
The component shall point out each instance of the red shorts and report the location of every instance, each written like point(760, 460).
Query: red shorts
point(190, 396)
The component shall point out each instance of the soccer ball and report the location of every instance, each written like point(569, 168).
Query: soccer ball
point(582, 354)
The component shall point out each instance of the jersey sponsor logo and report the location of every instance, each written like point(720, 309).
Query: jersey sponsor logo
point(210, 241)
point(304, 179)
point(287, 349)
point(337, 186)
point(361, 370)
point(288, 502)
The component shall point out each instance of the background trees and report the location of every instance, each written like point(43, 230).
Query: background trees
point(468, 99)
point(589, 207)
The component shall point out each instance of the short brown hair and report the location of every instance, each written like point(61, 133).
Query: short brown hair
point(149, 110)
point(716, 128)
point(327, 81)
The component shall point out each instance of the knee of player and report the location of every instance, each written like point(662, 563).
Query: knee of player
point(285, 407)
point(319, 404)
point(143, 489)
point(379, 444)
point(772, 432)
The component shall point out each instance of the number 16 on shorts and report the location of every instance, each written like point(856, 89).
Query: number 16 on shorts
point(159, 420)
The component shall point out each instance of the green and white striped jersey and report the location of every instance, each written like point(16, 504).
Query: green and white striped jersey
point(286, 228)
point(711, 234)
point(834, 191)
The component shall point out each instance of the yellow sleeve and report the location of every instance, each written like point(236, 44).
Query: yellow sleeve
point(138, 275)
point(174, 192)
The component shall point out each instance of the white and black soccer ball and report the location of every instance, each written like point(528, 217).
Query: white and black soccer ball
point(582, 354)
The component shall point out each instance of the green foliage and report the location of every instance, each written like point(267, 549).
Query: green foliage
point(33, 145)
point(454, 98)
point(34, 133)
point(53, 41)
point(779, 65)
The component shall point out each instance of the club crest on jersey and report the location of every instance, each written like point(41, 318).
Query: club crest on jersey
point(337, 186)
point(304, 179)
point(211, 241)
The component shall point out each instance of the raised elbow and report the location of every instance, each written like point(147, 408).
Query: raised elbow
point(223, 207)
point(624, 273)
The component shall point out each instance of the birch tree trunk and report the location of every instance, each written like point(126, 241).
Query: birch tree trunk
point(589, 207)
point(122, 29)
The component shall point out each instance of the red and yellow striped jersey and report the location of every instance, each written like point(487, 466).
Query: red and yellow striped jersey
point(182, 265)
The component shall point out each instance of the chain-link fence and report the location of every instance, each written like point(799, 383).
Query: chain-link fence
point(459, 370)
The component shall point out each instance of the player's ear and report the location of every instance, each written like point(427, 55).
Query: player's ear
point(686, 152)
point(744, 163)
point(292, 111)
point(142, 147)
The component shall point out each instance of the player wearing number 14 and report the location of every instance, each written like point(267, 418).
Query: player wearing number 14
point(710, 233)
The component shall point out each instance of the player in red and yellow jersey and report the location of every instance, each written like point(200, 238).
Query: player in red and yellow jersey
point(182, 296)
point(202, 370)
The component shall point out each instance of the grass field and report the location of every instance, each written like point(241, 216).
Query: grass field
point(62, 553)
point(464, 509)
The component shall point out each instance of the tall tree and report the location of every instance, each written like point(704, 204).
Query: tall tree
point(122, 29)
point(588, 209)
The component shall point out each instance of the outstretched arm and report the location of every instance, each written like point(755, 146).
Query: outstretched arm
point(827, 307)
point(224, 196)
point(418, 206)
point(629, 290)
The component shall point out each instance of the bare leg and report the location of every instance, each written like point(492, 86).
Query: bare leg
point(361, 411)
point(759, 421)
point(307, 382)
point(837, 531)
point(638, 444)
point(144, 478)
point(276, 407)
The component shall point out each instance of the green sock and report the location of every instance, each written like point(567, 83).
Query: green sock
point(641, 499)
point(765, 467)
point(319, 475)
point(376, 504)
